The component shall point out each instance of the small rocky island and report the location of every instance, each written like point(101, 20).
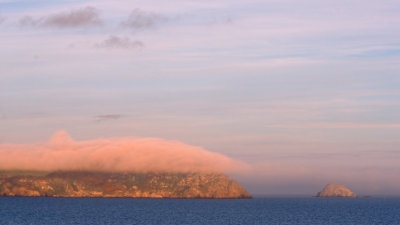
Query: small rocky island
point(336, 190)
point(123, 184)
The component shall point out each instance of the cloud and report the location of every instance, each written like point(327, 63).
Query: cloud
point(85, 17)
point(337, 125)
point(115, 154)
point(116, 42)
point(141, 20)
point(106, 117)
point(29, 21)
point(2, 19)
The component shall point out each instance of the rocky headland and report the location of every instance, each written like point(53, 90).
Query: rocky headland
point(336, 190)
point(127, 184)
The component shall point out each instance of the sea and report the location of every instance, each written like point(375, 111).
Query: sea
point(259, 210)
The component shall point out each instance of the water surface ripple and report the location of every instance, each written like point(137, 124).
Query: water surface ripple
point(276, 211)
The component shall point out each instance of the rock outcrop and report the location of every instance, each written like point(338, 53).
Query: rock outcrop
point(336, 190)
point(130, 185)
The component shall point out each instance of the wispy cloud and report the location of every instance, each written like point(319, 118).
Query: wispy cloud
point(101, 118)
point(115, 42)
point(84, 17)
point(141, 20)
point(2, 116)
point(338, 125)
point(2, 19)
point(29, 21)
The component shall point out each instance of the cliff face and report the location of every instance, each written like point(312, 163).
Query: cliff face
point(134, 185)
point(336, 190)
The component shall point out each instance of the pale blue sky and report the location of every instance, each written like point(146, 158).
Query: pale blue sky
point(309, 87)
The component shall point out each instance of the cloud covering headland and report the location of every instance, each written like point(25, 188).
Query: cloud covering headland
point(61, 152)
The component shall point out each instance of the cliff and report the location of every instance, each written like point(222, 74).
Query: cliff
point(130, 185)
point(336, 190)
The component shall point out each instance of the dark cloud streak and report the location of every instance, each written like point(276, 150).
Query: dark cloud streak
point(115, 42)
point(106, 117)
point(141, 20)
point(85, 17)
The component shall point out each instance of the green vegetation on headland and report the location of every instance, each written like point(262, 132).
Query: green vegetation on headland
point(124, 184)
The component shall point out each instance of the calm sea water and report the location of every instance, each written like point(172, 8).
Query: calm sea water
point(308, 211)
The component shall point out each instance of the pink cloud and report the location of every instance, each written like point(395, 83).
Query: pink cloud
point(116, 154)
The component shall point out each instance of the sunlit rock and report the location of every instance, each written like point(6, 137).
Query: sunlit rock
point(336, 190)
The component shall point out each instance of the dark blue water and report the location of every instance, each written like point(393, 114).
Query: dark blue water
point(308, 211)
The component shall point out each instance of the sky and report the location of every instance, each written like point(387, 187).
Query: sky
point(304, 92)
